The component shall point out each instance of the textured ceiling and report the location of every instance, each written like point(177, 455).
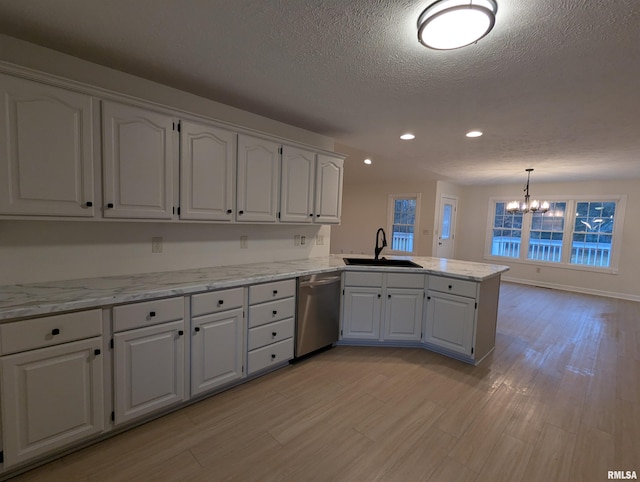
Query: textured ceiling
point(554, 86)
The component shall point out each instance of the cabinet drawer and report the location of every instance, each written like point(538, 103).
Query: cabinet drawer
point(215, 301)
point(453, 286)
point(148, 313)
point(405, 280)
point(272, 291)
point(270, 355)
point(272, 311)
point(363, 278)
point(48, 331)
point(270, 333)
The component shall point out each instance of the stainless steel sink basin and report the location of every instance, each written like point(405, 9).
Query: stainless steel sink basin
point(400, 263)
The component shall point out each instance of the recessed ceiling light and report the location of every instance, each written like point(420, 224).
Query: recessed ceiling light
point(367, 161)
point(407, 137)
point(474, 134)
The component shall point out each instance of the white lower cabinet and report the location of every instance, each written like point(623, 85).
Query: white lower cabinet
point(382, 306)
point(149, 362)
point(217, 339)
point(272, 310)
point(52, 396)
point(450, 321)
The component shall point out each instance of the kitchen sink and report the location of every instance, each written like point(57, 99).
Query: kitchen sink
point(400, 263)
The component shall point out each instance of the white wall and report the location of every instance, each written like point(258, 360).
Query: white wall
point(35, 251)
point(364, 210)
point(472, 223)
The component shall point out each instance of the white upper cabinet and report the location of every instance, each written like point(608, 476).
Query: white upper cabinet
point(297, 188)
point(46, 150)
point(207, 172)
point(138, 162)
point(328, 204)
point(258, 179)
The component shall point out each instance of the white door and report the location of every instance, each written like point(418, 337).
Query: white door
point(149, 369)
point(362, 312)
point(216, 350)
point(46, 141)
point(450, 322)
point(447, 227)
point(328, 205)
point(258, 179)
point(403, 314)
point(207, 172)
point(296, 190)
point(51, 397)
point(139, 161)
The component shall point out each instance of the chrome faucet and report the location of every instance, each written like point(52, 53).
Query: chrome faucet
point(379, 248)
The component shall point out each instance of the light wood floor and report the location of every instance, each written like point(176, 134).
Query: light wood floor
point(558, 400)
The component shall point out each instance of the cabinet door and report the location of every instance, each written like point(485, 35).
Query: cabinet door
point(328, 204)
point(207, 172)
point(138, 162)
point(258, 179)
point(296, 192)
point(51, 397)
point(46, 150)
point(149, 369)
point(403, 314)
point(450, 322)
point(361, 319)
point(216, 350)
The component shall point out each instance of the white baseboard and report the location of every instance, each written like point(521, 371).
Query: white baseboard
point(575, 289)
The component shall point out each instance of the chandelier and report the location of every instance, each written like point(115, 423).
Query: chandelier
point(527, 206)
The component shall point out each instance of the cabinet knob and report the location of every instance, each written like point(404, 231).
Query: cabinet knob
point(55, 332)
point(274, 333)
point(229, 211)
point(450, 286)
point(275, 312)
point(197, 329)
point(275, 292)
point(273, 356)
point(220, 302)
point(389, 296)
point(240, 212)
point(379, 295)
point(311, 214)
point(180, 332)
point(428, 298)
point(96, 352)
point(152, 314)
point(88, 204)
point(317, 215)
point(110, 205)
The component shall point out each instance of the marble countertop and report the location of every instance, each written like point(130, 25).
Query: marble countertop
point(23, 300)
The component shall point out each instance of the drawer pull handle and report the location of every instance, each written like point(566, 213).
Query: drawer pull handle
point(275, 312)
point(55, 332)
point(274, 333)
point(450, 286)
point(220, 302)
point(197, 329)
point(180, 333)
point(152, 314)
point(96, 352)
point(110, 205)
point(273, 356)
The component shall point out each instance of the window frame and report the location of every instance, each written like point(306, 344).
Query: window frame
point(416, 226)
point(565, 260)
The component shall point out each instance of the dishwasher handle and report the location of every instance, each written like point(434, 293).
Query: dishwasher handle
point(321, 282)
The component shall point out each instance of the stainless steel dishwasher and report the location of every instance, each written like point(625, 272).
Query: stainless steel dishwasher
point(318, 315)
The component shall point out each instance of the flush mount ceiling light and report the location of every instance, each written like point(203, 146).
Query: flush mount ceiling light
point(451, 24)
point(473, 134)
point(367, 161)
point(407, 137)
point(514, 207)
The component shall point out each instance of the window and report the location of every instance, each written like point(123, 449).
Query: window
point(578, 232)
point(402, 219)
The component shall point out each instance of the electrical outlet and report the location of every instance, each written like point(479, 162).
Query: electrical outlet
point(156, 245)
point(296, 240)
point(244, 242)
point(303, 240)
point(320, 239)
